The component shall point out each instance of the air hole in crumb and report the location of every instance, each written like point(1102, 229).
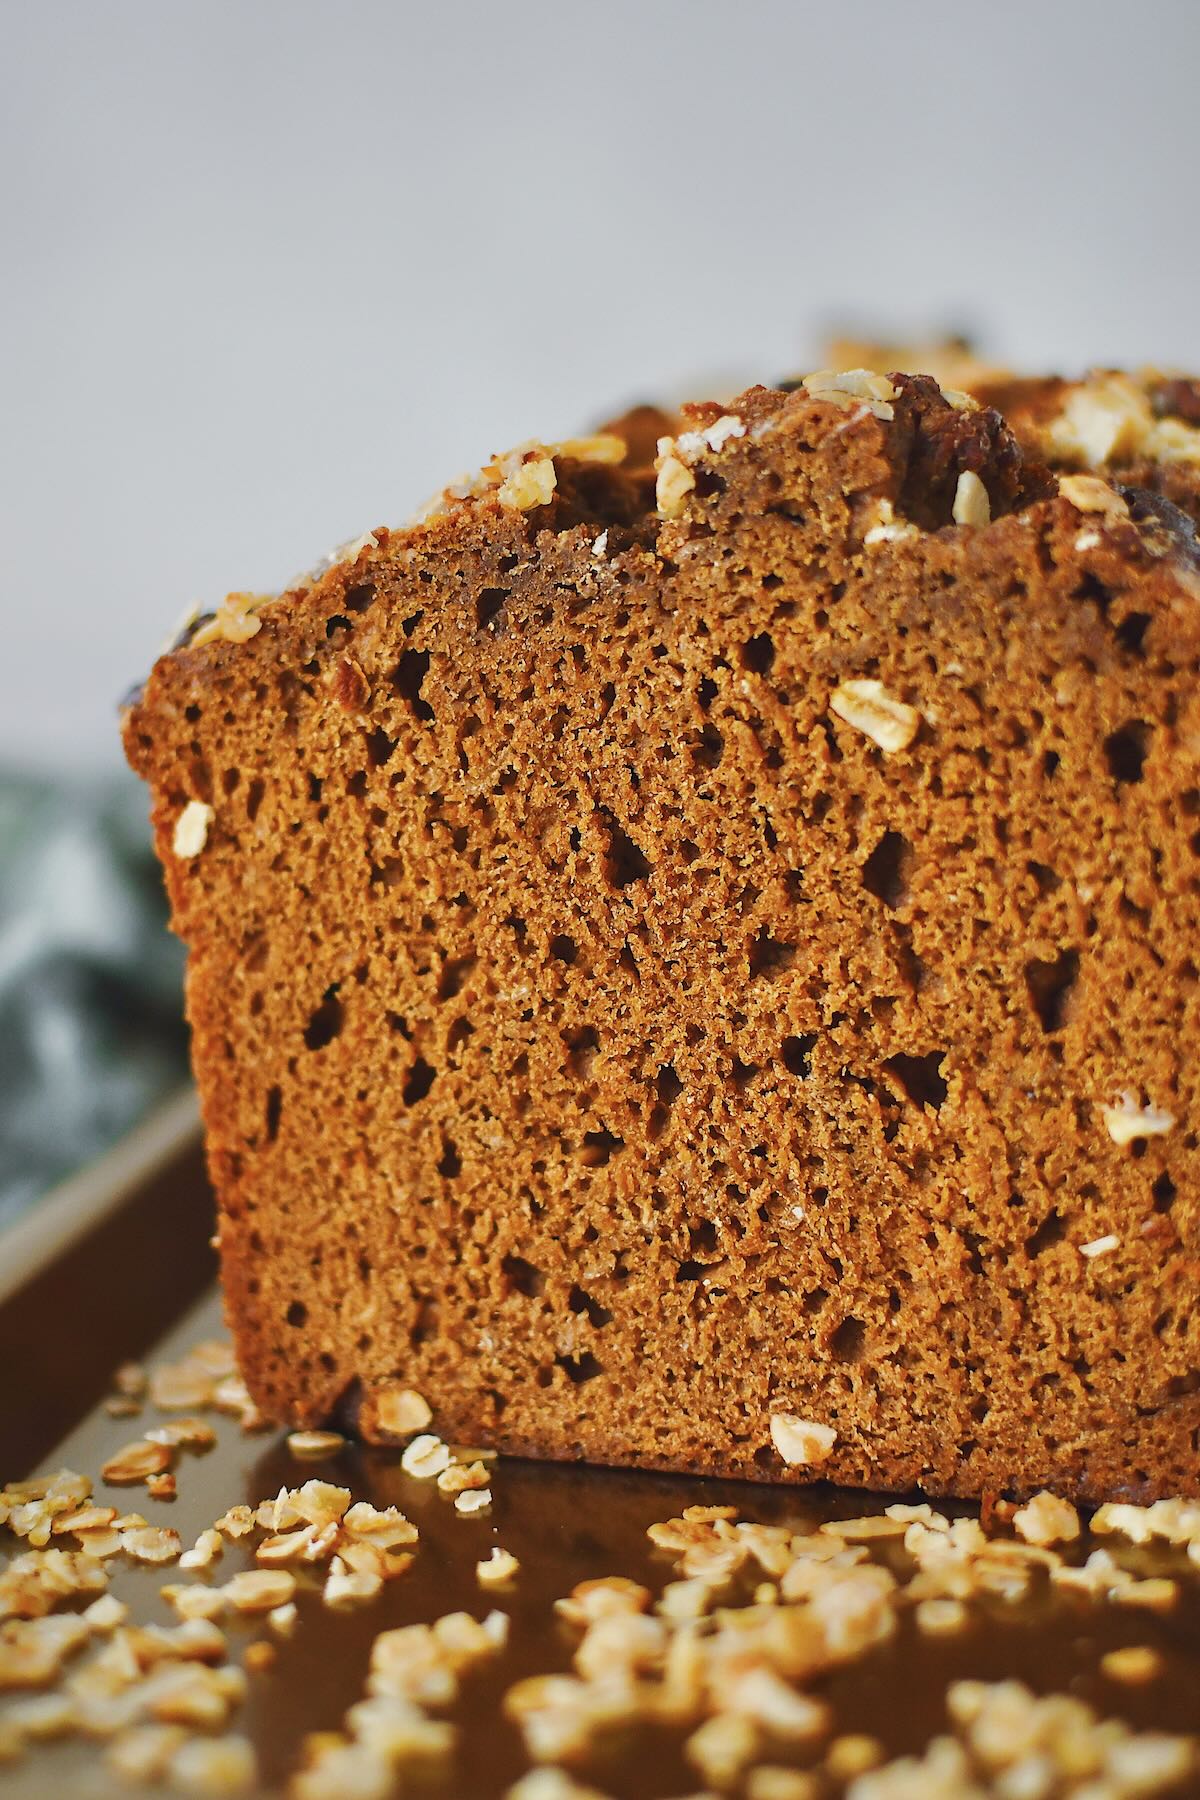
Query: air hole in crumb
point(1090, 587)
point(453, 974)
point(326, 1022)
point(759, 653)
point(582, 1045)
point(1164, 1191)
point(337, 622)
point(579, 1302)
point(1050, 1231)
point(522, 1276)
point(624, 863)
point(1131, 631)
point(254, 798)
point(708, 482)
point(710, 748)
point(450, 1164)
point(357, 599)
point(797, 1054)
point(770, 956)
point(420, 1079)
point(407, 677)
point(1048, 880)
point(888, 870)
point(297, 1314)
point(356, 784)
point(488, 605)
point(579, 1368)
point(379, 747)
point(706, 693)
point(274, 1111)
point(920, 1077)
point(668, 1085)
point(1125, 751)
point(743, 1074)
point(846, 1343)
point(563, 949)
point(1050, 985)
point(702, 1237)
point(599, 1147)
point(668, 1088)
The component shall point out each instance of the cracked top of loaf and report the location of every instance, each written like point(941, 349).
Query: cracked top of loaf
point(948, 456)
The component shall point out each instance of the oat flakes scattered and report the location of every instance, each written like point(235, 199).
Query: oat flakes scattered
point(1133, 1664)
point(136, 1463)
point(473, 1500)
point(347, 1587)
point(1127, 1120)
point(941, 1618)
point(769, 1782)
point(426, 1457)
point(801, 1442)
point(259, 1590)
point(868, 707)
point(1047, 1520)
point(852, 1755)
point(223, 1765)
point(496, 1569)
point(236, 620)
point(885, 528)
point(400, 1411)
point(1109, 419)
point(674, 481)
point(191, 829)
point(460, 1475)
point(152, 1544)
point(1089, 494)
point(971, 503)
point(530, 484)
point(315, 1446)
point(845, 387)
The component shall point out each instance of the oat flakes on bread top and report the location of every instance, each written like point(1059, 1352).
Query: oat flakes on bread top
point(675, 951)
point(1142, 428)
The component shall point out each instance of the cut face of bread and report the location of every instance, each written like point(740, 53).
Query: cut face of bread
point(701, 970)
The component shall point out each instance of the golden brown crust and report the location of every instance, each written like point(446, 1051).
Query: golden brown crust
point(653, 976)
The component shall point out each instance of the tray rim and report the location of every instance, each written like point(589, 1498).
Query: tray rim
point(68, 1211)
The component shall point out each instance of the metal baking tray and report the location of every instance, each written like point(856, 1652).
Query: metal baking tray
point(117, 1265)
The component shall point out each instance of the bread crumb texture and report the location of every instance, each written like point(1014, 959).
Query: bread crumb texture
point(692, 947)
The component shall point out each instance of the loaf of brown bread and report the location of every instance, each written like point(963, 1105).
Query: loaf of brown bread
point(698, 968)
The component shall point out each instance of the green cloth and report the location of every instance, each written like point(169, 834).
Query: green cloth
point(91, 1014)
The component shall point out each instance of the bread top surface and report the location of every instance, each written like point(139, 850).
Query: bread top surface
point(1014, 433)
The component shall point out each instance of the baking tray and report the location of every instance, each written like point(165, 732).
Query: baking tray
point(118, 1265)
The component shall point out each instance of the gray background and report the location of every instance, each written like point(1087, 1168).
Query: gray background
point(272, 272)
